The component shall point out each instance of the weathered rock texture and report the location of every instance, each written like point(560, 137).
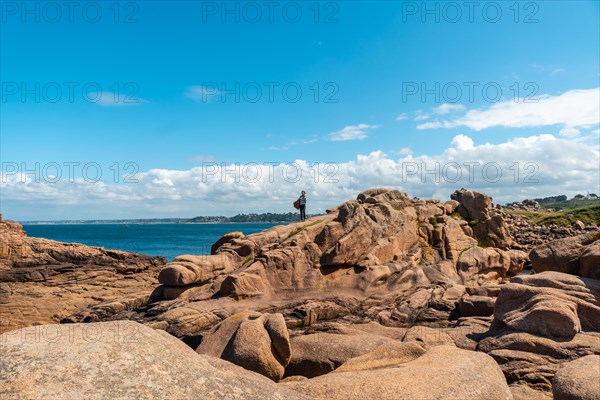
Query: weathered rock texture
point(259, 343)
point(578, 380)
point(411, 290)
point(577, 255)
point(550, 304)
point(43, 281)
point(381, 238)
point(383, 257)
point(542, 321)
point(443, 372)
point(119, 360)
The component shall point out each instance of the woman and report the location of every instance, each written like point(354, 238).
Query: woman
point(302, 201)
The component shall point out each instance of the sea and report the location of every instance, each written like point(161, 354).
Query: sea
point(167, 240)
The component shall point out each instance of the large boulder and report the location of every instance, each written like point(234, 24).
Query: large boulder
point(118, 360)
point(589, 261)
point(478, 265)
point(320, 352)
point(428, 337)
point(188, 269)
point(533, 360)
point(493, 232)
point(386, 355)
point(524, 392)
point(549, 304)
point(477, 306)
point(258, 342)
point(474, 206)
point(577, 255)
point(578, 380)
point(226, 238)
point(442, 372)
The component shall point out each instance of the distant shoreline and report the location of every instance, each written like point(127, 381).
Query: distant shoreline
point(144, 223)
point(264, 218)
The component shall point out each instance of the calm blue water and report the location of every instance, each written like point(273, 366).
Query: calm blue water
point(168, 240)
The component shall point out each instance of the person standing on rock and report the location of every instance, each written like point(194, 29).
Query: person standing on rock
point(302, 202)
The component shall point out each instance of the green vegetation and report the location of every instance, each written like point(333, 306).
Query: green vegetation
point(574, 203)
point(456, 214)
point(256, 218)
point(303, 227)
point(567, 216)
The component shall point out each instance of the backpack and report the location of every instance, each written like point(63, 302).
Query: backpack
point(297, 204)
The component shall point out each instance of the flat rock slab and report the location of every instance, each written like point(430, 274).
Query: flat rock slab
point(443, 372)
point(118, 360)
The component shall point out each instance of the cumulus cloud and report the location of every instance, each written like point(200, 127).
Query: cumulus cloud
point(569, 132)
point(447, 108)
point(572, 109)
point(520, 168)
point(352, 132)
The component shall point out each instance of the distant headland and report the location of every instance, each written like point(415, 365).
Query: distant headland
point(239, 218)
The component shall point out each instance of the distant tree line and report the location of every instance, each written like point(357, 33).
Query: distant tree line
point(563, 198)
point(240, 218)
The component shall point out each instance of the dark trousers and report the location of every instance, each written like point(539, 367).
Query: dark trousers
point(302, 212)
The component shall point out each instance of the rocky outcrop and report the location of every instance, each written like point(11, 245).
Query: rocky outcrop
point(523, 392)
point(441, 372)
point(477, 306)
point(380, 258)
point(473, 205)
point(383, 297)
point(550, 304)
point(119, 360)
point(428, 337)
point(357, 246)
point(321, 350)
point(259, 343)
point(578, 380)
point(542, 321)
point(578, 255)
point(387, 355)
point(43, 281)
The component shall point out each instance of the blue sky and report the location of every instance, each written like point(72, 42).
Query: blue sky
point(366, 58)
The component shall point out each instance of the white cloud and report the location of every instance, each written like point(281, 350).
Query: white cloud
point(463, 143)
point(402, 117)
point(201, 94)
point(575, 108)
point(446, 108)
point(435, 125)
point(352, 132)
point(569, 132)
point(520, 168)
point(405, 151)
